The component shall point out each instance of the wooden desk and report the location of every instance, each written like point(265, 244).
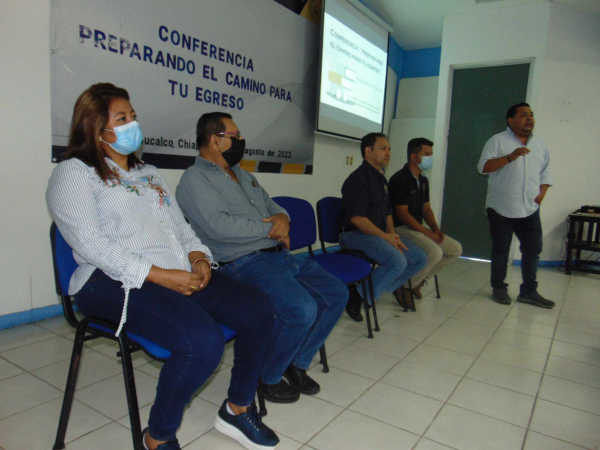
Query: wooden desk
point(584, 234)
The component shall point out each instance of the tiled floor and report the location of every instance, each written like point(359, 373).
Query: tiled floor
point(463, 372)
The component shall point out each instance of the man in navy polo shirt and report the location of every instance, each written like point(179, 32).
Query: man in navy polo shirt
point(367, 225)
point(409, 190)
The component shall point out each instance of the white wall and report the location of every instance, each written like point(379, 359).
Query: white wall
point(390, 97)
point(415, 117)
point(26, 276)
point(417, 98)
point(26, 279)
point(569, 119)
point(329, 172)
point(564, 85)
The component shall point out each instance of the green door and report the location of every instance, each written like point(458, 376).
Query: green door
point(480, 98)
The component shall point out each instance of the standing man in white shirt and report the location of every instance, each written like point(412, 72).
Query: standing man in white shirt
point(518, 165)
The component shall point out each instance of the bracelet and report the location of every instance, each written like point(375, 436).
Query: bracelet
point(203, 259)
point(509, 160)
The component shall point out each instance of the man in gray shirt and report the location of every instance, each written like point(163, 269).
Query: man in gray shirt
point(247, 233)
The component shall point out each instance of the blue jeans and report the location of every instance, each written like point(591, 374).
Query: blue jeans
point(187, 327)
point(529, 232)
point(394, 267)
point(308, 303)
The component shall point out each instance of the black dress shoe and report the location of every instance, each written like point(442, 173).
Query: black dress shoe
point(354, 313)
point(353, 305)
point(501, 296)
point(279, 393)
point(298, 378)
point(536, 299)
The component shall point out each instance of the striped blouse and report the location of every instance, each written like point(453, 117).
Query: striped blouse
point(122, 226)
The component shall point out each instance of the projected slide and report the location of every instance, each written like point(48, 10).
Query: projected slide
point(353, 73)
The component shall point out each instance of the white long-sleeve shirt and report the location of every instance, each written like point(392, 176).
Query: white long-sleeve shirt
point(513, 188)
point(122, 226)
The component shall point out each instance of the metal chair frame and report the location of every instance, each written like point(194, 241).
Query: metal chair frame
point(312, 255)
point(90, 328)
point(414, 308)
point(363, 282)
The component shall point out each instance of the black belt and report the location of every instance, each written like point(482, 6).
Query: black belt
point(274, 249)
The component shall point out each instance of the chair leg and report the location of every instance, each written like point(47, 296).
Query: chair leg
point(262, 409)
point(130, 391)
point(412, 299)
point(366, 303)
point(59, 443)
point(370, 283)
point(323, 361)
point(437, 286)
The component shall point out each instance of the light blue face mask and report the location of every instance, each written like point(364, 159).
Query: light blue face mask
point(129, 138)
point(426, 163)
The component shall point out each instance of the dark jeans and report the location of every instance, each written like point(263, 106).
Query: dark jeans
point(187, 327)
point(529, 232)
point(395, 268)
point(308, 303)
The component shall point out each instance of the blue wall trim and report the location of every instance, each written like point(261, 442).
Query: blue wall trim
point(422, 63)
point(395, 57)
point(33, 315)
point(517, 262)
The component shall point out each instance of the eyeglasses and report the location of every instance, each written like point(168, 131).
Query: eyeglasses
point(230, 134)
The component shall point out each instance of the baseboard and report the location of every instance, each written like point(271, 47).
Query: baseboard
point(33, 315)
point(517, 262)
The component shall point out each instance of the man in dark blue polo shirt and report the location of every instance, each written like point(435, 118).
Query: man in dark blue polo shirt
point(409, 190)
point(367, 224)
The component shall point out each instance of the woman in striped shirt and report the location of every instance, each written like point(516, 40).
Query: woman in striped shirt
point(140, 261)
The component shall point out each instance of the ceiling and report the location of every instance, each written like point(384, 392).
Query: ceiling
point(418, 23)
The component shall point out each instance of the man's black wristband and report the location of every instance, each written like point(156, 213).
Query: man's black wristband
point(509, 160)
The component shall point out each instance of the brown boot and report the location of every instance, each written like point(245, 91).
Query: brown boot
point(398, 295)
point(403, 298)
point(408, 297)
point(417, 290)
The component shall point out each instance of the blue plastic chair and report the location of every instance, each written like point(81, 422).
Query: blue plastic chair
point(90, 328)
point(348, 268)
point(329, 210)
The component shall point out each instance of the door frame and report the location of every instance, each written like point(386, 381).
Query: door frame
point(449, 91)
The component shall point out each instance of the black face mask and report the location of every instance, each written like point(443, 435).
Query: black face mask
point(235, 153)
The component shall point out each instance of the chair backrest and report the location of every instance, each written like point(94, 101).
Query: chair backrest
point(329, 210)
point(64, 266)
point(303, 227)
